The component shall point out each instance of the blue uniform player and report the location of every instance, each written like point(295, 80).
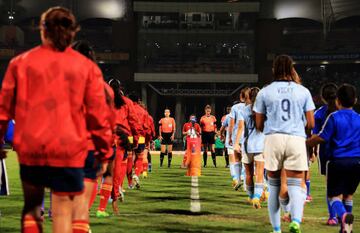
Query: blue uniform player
point(288, 109)
point(233, 128)
point(342, 131)
point(253, 147)
point(328, 96)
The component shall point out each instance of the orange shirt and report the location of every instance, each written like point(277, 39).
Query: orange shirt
point(208, 123)
point(167, 125)
point(56, 98)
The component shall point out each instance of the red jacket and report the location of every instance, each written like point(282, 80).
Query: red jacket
point(142, 118)
point(127, 119)
point(151, 133)
point(47, 92)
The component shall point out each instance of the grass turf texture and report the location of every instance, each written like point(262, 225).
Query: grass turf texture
point(163, 203)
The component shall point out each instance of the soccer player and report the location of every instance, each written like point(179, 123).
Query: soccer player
point(328, 96)
point(342, 131)
point(142, 116)
point(287, 107)
point(46, 91)
point(223, 136)
point(236, 110)
point(167, 129)
point(253, 147)
point(186, 131)
point(208, 130)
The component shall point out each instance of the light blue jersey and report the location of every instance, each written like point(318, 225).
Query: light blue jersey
point(234, 114)
point(253, 139)
point(284, 103)
point(226, 124)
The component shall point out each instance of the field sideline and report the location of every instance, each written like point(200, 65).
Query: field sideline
point(163, 203)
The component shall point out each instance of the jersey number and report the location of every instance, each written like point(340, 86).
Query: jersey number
point(285, 107)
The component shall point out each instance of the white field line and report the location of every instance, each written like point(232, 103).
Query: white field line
point(195, 205)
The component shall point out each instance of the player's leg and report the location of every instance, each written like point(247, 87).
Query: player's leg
point(162, 153)
point(139, 154)
point(145, 161)
point(170, 147)
point(31, 219)
point(259, 179)
point(238, 169)
point(273, 202)
point(205, 150)
point(307, 182)
point(213, 155)
point(249, 170)
point(129, 168)
point(226, 156)
point(284, 198)
point(105, 191)
point(149, 160)
point(118, 176)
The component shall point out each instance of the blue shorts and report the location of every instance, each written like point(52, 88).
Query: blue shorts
point(91, 168)
point(61, 180)
point(343, 176)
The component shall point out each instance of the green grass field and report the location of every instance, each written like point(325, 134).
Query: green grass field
point(163, 203)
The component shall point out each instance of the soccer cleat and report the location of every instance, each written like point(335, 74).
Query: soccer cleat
point(145, 174)
point(136, 181)
point(130, 186)
point(309, 199)
point(238, 186)
point(347, 223)
point(264, 196)
point(332, 222)
point(256, 203)
point(286, 217)
point(294, 227)
point(102, 214)
point(234, 183)
point(115, 207)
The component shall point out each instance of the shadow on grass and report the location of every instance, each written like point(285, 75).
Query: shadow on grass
point(179, 212)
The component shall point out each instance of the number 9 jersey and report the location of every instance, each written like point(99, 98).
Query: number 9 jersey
point(284, 103)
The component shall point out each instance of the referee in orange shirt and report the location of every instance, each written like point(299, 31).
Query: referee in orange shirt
point(208, 129)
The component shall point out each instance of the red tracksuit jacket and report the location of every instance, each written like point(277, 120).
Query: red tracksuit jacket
point(46, 92)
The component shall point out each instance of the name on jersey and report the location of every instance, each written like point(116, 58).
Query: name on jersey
point(285, 90)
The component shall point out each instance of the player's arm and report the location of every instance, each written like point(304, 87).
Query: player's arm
point(160, 129)
point(173, 130)
point(184, 132)
point(310, 121)
point(325, 134)
point(259, 121)
point(238, 135)
point(231, 124)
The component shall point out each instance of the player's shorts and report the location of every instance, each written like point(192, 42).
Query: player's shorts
point(219, 151)
point(208, 138)
point(343, 176)
point(90, 168)
point(230, 150)
point(140, 148)
point(166, 139)
point(248, 158)
point(285, 151)
point(61, 180)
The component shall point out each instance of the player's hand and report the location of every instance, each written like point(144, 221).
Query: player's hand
point(230, 142)
point(237, 148)
point(160, 138)
point(102, 169)
point(172, 138)
point(312, 158)
point(3, 154)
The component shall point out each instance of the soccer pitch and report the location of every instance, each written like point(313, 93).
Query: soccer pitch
point(163, 203)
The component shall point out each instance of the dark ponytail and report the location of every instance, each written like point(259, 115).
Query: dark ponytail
point(118, 98)
point(59, 26)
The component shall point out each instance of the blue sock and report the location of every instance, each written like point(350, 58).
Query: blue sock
point(284, 203)
point(259, 188)
point(348, 204)
point(232, 171)
point(250, 191)
point(332, 213)
point(237, 170)
point(307, 187)
point(297, 196)
point(338, 207)
point(273, 203)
